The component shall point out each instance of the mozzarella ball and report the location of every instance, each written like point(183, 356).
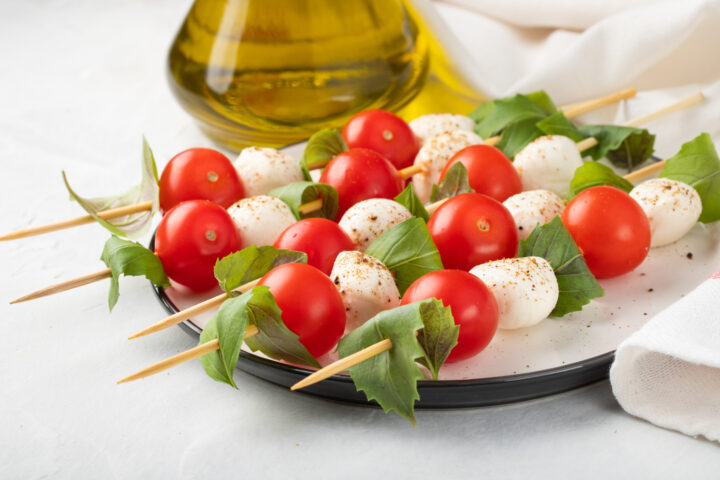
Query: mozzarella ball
point(260, 219)
point(262, 169)
point(367, 220)
point(434, 155)
point(533, 208)
point(672, 208)
point(525, 288)
point(548, 163)
point(366, 286)
point(430, 125)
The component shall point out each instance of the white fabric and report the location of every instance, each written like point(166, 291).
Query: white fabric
point(669, 372)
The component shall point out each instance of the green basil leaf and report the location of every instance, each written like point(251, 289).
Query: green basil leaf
point(517, 136)
point(493, 117)
point(137, 224)
point(228, 327)
point(438, 336)
point(321, 148)
point(251, 263)
point(274, 339)
point(625, 147)
point(558, 124)
point(390, 378)
point(697, 164)
point(299, 193)
point(407, 250)
point(454, 183)
point(409, 199)
point(132, 259)
point(592, 174)
point(577, 284)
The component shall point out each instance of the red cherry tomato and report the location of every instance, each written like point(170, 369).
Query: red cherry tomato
point(489, 171)
point(311, 305)
point(320, 238)
point(385, 133)
point(472, 304)
point(190, 238)
point(471, 229)
point(360, 174)
point(610, 228)
point(199, 174)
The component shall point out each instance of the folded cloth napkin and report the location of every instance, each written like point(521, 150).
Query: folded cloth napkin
point(669, 371)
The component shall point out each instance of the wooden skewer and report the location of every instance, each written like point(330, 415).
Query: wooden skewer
point(188, 313)
point(67, 285)
point(344, 363)
point(183, 357)
point(73, 222)
point(102, 274)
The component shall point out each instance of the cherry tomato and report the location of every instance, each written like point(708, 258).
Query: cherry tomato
point(311, 305)
point(385, 133)
point(472, 303)
point(190, 238)
point(199, 174)
point(610, 228)
point(489, 171)
point(320, 238)
point(360, 174)
point(471, 229)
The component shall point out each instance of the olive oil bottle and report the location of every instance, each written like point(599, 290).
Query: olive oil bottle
point(273, 72)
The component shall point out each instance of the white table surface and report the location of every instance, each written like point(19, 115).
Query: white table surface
point(80, 82)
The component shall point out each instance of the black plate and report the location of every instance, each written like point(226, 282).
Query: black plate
point(433, 394)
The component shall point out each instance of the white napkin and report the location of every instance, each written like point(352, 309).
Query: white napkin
point(669, 371)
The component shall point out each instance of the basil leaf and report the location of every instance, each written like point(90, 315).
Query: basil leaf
point(228, 327)
point(299, 193)
point(407, 250)
point(558, 124)
point(135, 225)
point(625, 147)
point(409, 199)
point(321, 148)
point(592, 174)
point(577, 284)
point(274, 339)
point(390, 378)
point(253, 262)
point(438, 336)
point(697, 164)
point(517, 136)
point(493, 117)
point(132, 259)
point(454, 183)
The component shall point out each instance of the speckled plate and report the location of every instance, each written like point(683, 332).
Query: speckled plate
point(551, 357)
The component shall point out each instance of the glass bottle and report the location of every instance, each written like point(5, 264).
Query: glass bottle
point(273, 72)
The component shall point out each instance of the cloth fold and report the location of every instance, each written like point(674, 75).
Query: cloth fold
point(669, 371)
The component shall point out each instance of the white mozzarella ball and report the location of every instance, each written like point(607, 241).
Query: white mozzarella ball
point(430, 125)
point(260, 219)
point(262, 169)
point(672, 208)
point(548, 163)
point(367, 220)
point(533, 208)
point(434, 155)
point(525, 288)
point(366, 286)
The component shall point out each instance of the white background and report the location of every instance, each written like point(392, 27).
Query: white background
point(80, 82)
